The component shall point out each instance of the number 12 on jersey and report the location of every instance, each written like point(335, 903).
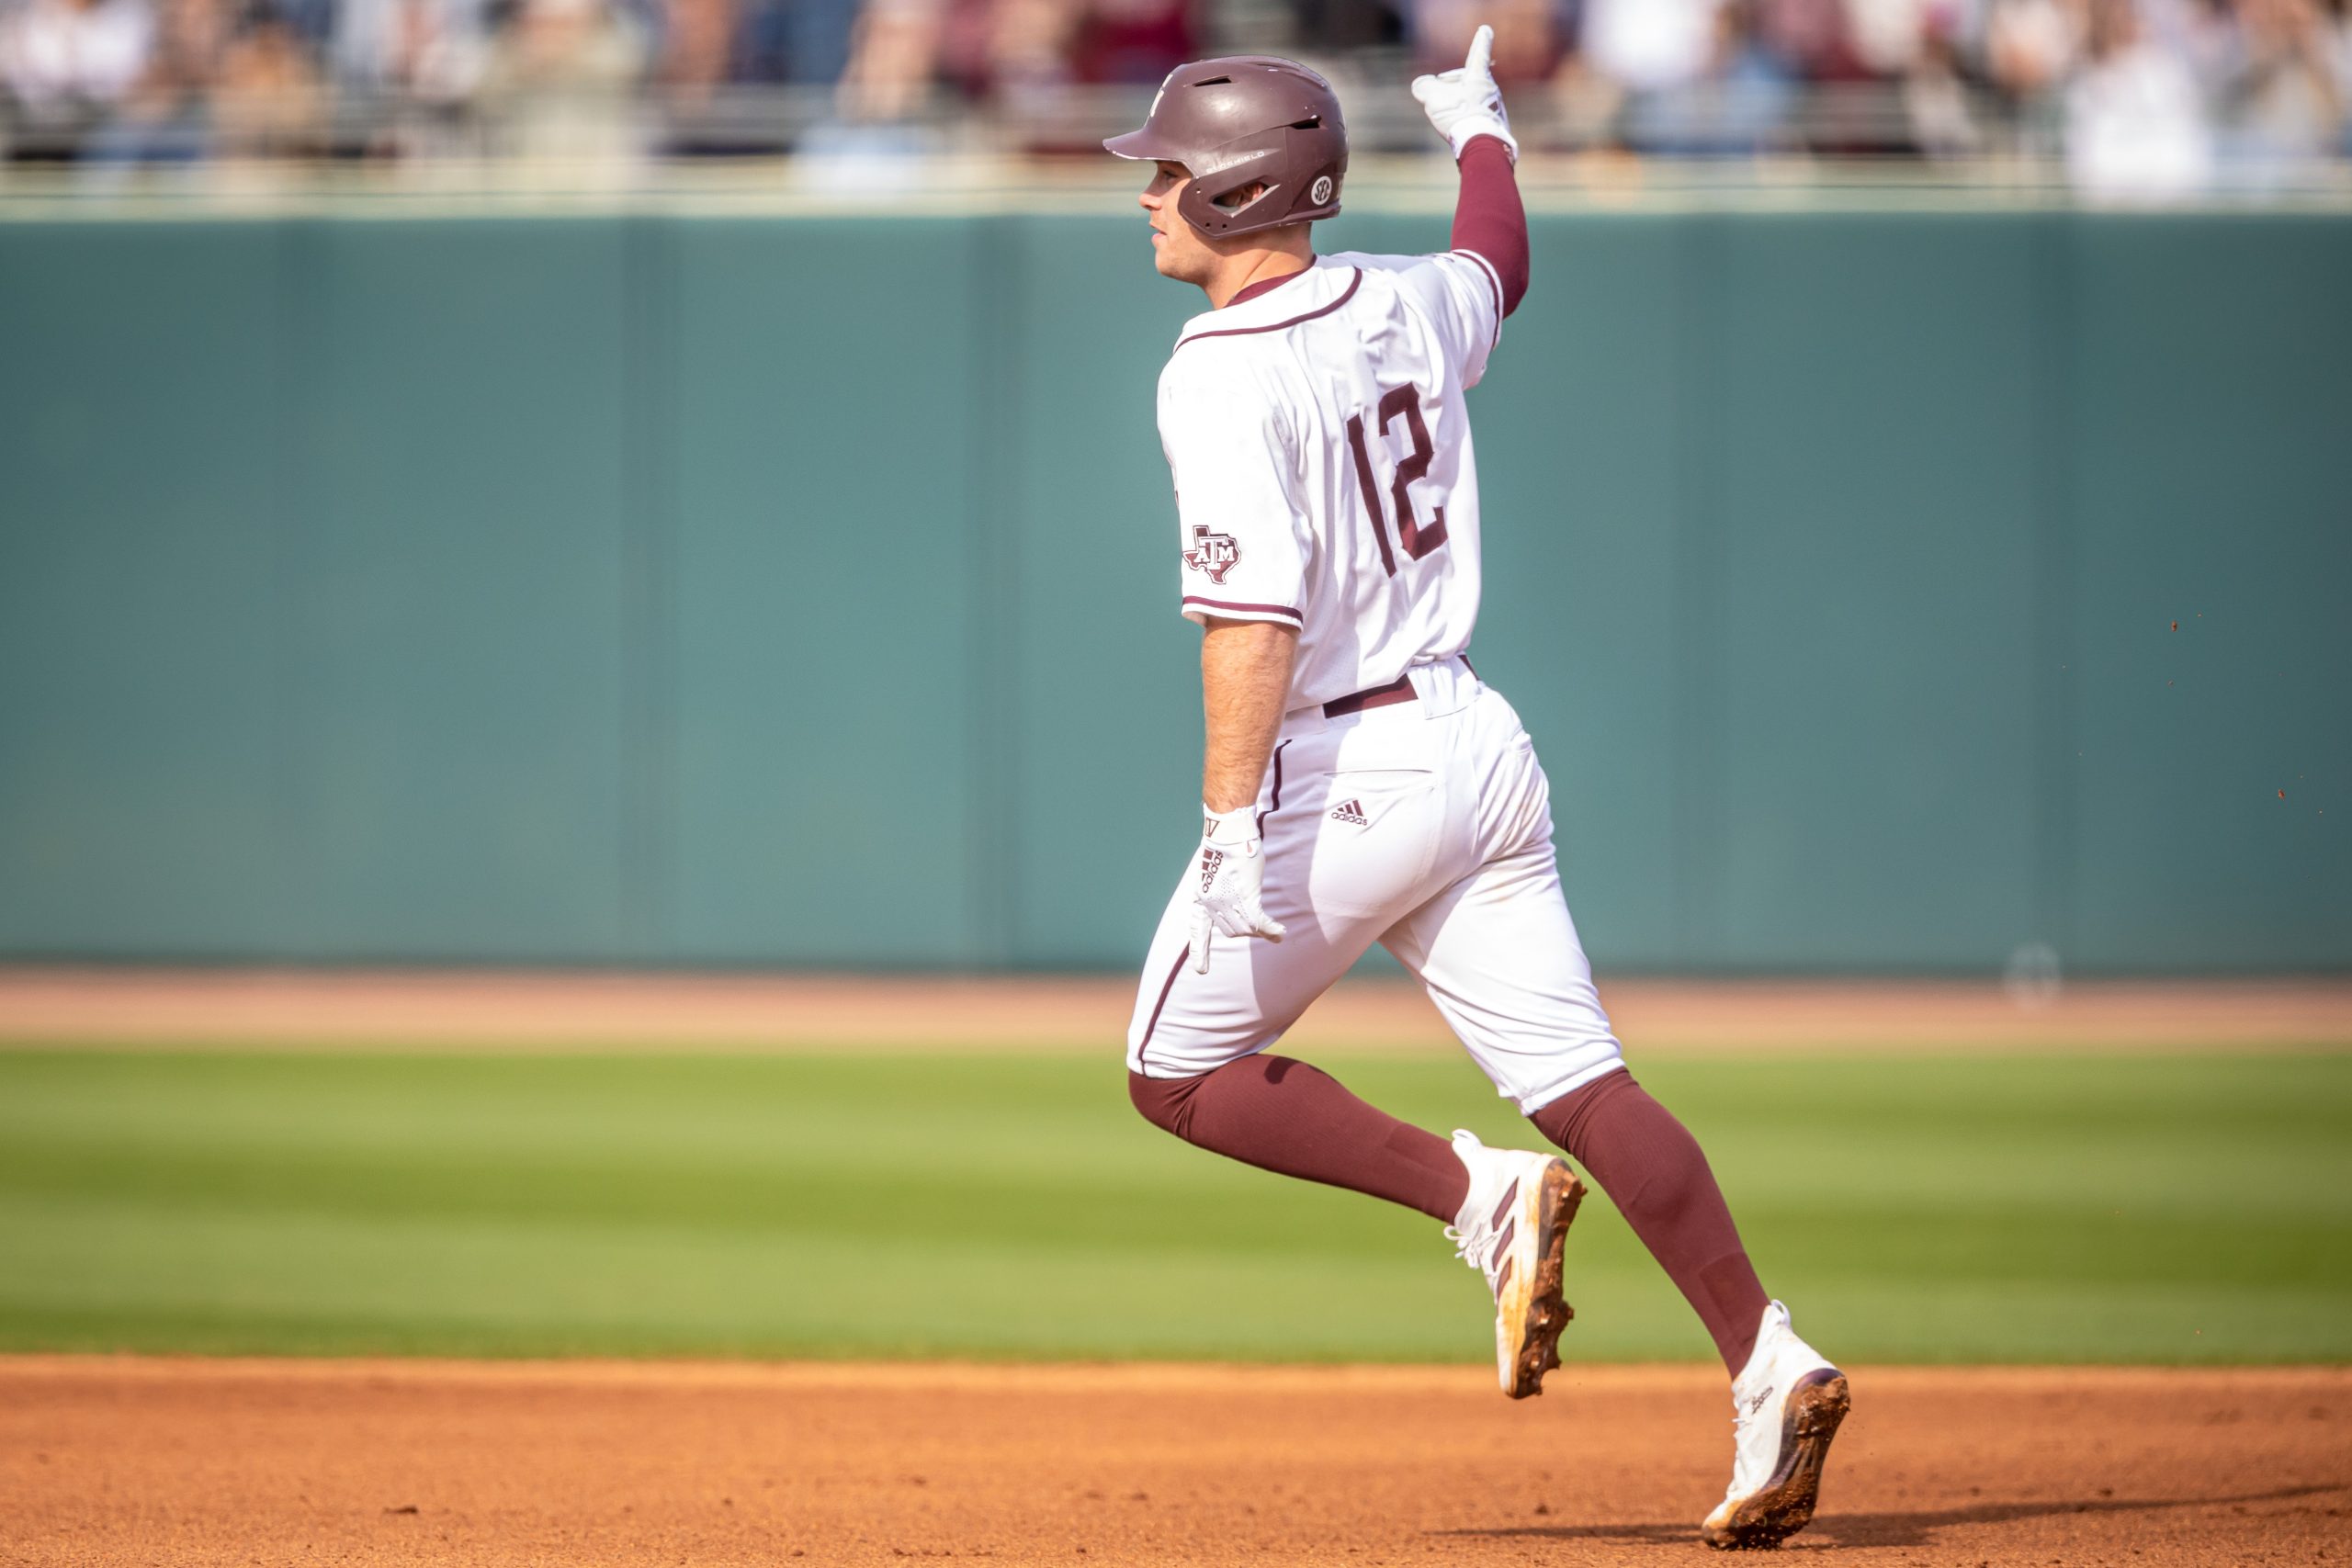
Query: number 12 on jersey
point(1418, 540)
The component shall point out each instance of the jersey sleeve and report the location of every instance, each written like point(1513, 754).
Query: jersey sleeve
point(1461, 297)
point(1241, 532)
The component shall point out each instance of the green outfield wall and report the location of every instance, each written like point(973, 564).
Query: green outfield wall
point(800, 591)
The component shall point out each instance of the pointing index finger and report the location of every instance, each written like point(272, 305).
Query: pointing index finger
point(1482, 53)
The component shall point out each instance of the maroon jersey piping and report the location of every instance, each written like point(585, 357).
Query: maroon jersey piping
point(1266, 286)
point(1276, 804)
point(1245, 608)
point(1348, 294)
point(1494, 287)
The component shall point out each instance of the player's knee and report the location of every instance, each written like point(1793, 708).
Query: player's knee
point(1161, 1101)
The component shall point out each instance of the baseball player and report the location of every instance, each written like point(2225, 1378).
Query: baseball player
point(1361, 783)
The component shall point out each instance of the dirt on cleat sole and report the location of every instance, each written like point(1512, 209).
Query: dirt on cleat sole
point(1548, 1313)
point(1784, 1505)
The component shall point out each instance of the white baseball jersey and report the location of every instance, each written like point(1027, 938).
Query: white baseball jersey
point(1324, 479)
point(1320, 448)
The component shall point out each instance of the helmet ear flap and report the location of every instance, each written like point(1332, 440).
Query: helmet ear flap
point(1204, 204)
point(1209, 207)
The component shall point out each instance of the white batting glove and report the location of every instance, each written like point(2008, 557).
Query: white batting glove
point(1465, 102)
point(1233, 872)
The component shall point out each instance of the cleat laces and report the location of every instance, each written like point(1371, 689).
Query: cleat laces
point(1470, 1246)
point(1484, 1242)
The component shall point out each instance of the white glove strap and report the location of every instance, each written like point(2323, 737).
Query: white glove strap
point(1462, 135)
point(1229, 830)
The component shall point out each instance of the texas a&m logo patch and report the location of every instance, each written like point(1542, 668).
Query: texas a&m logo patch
point(1212, 553)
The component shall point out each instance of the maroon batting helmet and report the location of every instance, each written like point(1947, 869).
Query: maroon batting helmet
point(1245, 119)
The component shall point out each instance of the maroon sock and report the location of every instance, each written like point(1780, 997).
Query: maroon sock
point(1283, 1115)
point(1653, 1170)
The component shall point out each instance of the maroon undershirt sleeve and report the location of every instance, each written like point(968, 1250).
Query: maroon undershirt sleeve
point(1488, 217)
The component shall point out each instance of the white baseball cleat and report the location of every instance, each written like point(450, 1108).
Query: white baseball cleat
point(1513, 1229)
point(1788, 1403)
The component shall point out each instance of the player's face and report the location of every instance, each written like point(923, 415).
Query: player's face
point(1176, 248)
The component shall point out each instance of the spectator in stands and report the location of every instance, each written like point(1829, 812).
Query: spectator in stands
point(2135, 122)
point(711, 48)
point(1640, 56)
point(2278, 90)
point(1648, 47)
point(167, 117)
point(1885, 37)
point(1134, 43)
point(812, 39)
point(65, 66)
point(1935, 96)
point(1732, 96)
point(561, 85)
point(2032, 49)
point(1323, 29)
point(2030, 46)
point(709, 45)
point(698, 48)
point(1752, 88)
point(268, 101)
point(1815, 39)
point(1534, 38)
point(2340, 28)
point(1017, 55)
point(407, 71)
point(896, 52)
point(1008, 52)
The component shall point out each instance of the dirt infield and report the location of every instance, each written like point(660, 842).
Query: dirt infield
point(309, 1009)
point(107, 1461)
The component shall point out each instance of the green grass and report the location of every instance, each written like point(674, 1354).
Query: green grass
point(2003, 1209)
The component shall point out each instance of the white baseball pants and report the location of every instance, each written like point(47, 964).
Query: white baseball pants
point(1425, 826)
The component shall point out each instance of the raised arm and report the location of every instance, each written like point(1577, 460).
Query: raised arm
point(1488, 217)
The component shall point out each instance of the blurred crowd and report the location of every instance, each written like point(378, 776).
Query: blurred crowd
point(2141, 98)
point(2146, 97)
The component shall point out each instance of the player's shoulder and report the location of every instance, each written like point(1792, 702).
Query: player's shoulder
point(1224, 379)
point(1451, 289)
point(1435, 269)
point(1367, 261)
point(1262, 324)
point(1399, 268)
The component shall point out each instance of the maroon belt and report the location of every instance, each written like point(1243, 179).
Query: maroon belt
point(1401, 690)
